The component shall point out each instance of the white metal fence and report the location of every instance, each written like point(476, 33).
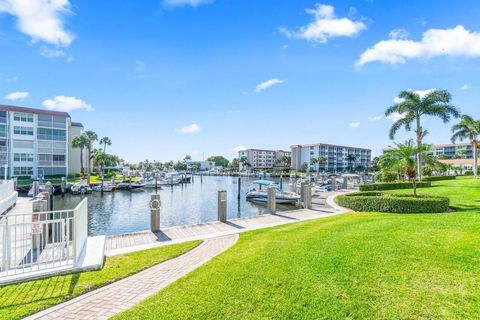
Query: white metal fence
point(40, 241)
point(8, 195)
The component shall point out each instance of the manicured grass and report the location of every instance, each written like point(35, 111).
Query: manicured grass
point(353, 266)
point(20, 300)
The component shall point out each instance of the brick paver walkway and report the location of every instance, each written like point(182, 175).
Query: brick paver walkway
point(124, 294)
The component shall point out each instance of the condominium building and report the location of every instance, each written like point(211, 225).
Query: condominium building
point(35, 142)
point(336, 157)
point(262, 159)
point(459, 155)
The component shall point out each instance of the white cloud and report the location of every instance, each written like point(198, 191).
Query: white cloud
point(354, 125)
point(394, 117)
point(19, 95)
point(455, 42)
point(191, 128)
point(42, 20)
point(66, 104)
point(193, 3)
point(55, 53)
point(375, 118)
point(239, 148)
point(325, 26)
point(398, 34)
point(267, 84)
point(465, 87)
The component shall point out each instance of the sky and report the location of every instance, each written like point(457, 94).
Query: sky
point(169, 78)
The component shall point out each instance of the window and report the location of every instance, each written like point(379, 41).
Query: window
point(3, 131)
point(24, 131)
point(22, 171)
point(23, 144)
point(3, 116)
point(24, 117)
point(51, 134)
point(23, 157)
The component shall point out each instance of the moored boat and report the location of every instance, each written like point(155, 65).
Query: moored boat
point(261, 195)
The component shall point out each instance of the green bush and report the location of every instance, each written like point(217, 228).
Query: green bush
point(393, 186)
point(394, 203)
point(439, 178)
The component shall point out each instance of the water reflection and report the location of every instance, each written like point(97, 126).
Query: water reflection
point(124, 211)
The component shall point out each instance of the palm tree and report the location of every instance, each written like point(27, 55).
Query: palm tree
point(413, 107)
point(105, 141)
point(404, 157)
point(351, 158)
point(468, 128)
point(314, 162)
point(82, 143)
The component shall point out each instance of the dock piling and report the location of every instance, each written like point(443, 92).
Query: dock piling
point(272, 204)
point(155, 213)
point(239, 188)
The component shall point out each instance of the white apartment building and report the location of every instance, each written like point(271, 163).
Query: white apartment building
point(35, 142)
point(262, 159)
point(336, 157)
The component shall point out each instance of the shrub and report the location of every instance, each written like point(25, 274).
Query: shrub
point(393, 203)
point(439, 178)
point(393, 186)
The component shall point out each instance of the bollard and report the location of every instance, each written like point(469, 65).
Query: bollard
point(271, 201)
point(307, 196)
point(155, 204)
point(345, 183)
point(222, 206)
point(334, 183)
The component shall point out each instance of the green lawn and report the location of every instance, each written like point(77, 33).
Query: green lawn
point(354, 266)
point(20, 300)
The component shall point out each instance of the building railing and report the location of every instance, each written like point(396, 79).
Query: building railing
point(35, 242)
point(8, 195)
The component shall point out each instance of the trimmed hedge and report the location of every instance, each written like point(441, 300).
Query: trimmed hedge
point(393, 186)
point(393, 203)
point(439, 178)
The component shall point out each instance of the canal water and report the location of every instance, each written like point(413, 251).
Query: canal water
point(128, 211)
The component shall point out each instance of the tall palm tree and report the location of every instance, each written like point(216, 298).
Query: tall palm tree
point(314, 162)
point(468, 128)
point(413, 107)
point(105, 141)
point(351, 158)
point(81, 142)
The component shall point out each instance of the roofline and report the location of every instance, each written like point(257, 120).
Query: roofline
point(264, 150)
point(77, 124)
point(4, 107)
point(326, 145)
point(452, 145)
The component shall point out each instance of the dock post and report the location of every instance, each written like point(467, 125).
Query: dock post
point(36, 188)
point(272, 204)
point(37, 230)
point(334, 183)
point(239, 188)
point(156, 182)
point(281, 182)
point(201, 177)
point(307, 195)
point(222, 206)
point(345, 183)
point(64, 186)
point(302, 191)
point(155, 213)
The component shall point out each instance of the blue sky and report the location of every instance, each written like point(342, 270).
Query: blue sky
point(168, 78)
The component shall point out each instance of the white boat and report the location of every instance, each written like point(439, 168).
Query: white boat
point(259, 195)
point(151, 184)
point(171, 178)
point(107, 187)
point(130, 185)
point(80, 187)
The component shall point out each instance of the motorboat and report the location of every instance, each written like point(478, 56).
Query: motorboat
point(171, 178)
point(107, 187)
point(261, 195)
point(80, 187)
point(130, 185)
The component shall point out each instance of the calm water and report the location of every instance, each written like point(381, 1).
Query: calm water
point(125, 211)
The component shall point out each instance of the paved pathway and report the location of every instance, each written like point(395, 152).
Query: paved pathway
point(124, 294)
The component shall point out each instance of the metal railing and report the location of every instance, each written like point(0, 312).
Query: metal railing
point(33, 242)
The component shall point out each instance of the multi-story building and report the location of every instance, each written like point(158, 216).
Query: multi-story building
point(262, 159)
point(459, 155)
point(35, 142)
point(336, 157)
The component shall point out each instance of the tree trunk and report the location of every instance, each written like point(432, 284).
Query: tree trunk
point(414, 183)
point(475, 160)
point(419, 144)
point(82, 169)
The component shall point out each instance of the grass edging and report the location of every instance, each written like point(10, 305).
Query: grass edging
point(20, 300)
point(380, 186)
point(371, 201)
